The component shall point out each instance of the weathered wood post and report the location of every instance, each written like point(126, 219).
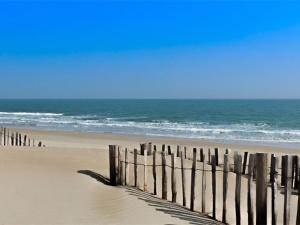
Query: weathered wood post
point(178, 150)
point(209, 156)
point(193, 177)
point(17, 139)
point(173, 177)
point(287, 189)
point(201, 155)
point(169, 150)
point(112, 165)
point(185, 152)
point(142, 148)
point(183, 180)
point(238, 169)
point(20, 140)
point(164, 176)
point(12, 139)
point(245, 162)
point(213, 173)
point(126, 179)
point(283, 172)
point(135, 166)
point(4, 139)
point(146, 172)
point(261, 187)
point(217, 156)
point(25, 140)
point(225, 188)
point(295, 172)
point(250, 190)
point(149, 148)
point(274, 185)
point(203, 194)
point(154, 171)
point(120, 165)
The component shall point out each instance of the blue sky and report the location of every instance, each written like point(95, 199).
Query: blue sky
point(150, 49)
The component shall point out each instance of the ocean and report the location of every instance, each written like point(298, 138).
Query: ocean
point(267, 122)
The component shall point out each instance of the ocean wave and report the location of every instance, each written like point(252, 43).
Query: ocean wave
point(256, 132)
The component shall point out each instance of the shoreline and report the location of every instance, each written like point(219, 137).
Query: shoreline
point(137, 139)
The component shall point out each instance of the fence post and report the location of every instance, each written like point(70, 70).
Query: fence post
point(193, 176)
point(173, 177)
point(164, 176)
point(213, 174)
point(119, 166)
point(149, 148)
point(203, 185)
point(178, 150)
point(217, 156)
point(273, 180)
point(126, 167)
point(283, 172)
point(12, 139)
point(154, 170)
point(25, 139)
point(20, 140)
point(135, 166)
point(183, 180)
point(145, 171)
point(238, 169)
point(169, 150)
point(4, 140)
point(17, 139)
point(245, 162)
point(201, 154)
point(209, 162)
point(185, 152)
point(298, 207)
point(142, 149)
point(295, 171)
point(261, 187)
point(250, 190)
point(225, 188)
point(287, 189)
point(112, 164)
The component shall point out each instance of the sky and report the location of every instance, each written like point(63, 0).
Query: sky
point(149, 49)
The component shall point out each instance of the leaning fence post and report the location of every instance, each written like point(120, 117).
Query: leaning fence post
point(154, 170)
point(25, 139)
point(169, 150)
point(135, 166)
point(193, 176)
point(183, 180)
point(173, 177)
point(112, 164)
point(213, 173)
point(238, 169)
point(164, 176)
point(203, 195)
point(201, 155)
point(261, 187)
point(225, 187)
point(273, 180)
point(287, 189)
point(250, 190)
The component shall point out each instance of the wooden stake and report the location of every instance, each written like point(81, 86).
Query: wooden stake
point(154, 171)
point(213, 170)
point(245, 162)
point(203, 195)
point(261, 187)
point(238, 170)
point(225, 188)
point(287, 189)
point(193, 176)
point(126, 179)
point(173, 177)
point(250, 190)
point(164, 176)
point(145, 171)
point(217, 156)
point(201, 155)
point(135, 166)
point(112, 164)
point(274, 183)
point(183, 180)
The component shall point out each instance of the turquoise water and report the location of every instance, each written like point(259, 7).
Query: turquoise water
point(262, 121)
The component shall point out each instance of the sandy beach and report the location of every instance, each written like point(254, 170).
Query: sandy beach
point(66, 183)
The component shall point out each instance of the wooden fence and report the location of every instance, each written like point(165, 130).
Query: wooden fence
point(10, 138)
point(259, 168)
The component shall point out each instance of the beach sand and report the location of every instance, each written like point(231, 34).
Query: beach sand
point(66, 183)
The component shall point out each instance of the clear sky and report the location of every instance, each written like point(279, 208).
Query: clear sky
point(150, 49)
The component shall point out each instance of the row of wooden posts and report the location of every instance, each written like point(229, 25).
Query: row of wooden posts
point(9, 138)
point(258, 170)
